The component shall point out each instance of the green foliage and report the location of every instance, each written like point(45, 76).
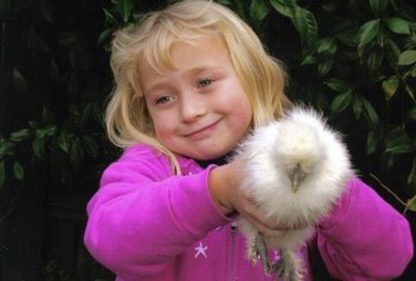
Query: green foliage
point(67, 130)
point(355, 60)
point(373, 81)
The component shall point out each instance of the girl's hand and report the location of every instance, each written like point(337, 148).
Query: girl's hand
point(224, 183)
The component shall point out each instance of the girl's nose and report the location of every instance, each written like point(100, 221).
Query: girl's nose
point(193, 106)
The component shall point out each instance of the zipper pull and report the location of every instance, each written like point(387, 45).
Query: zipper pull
point(233, 229)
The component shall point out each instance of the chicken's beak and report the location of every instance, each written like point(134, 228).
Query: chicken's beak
point(296, 178)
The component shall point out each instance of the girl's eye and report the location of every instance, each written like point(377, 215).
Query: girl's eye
point(164, 99)
point(205, 83)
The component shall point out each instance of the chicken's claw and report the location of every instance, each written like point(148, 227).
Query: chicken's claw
point(258, 249)
point(287, 267)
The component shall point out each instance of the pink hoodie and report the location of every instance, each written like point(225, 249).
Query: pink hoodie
point(145, 224)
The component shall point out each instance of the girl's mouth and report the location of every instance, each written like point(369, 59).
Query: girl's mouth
point(203, 131)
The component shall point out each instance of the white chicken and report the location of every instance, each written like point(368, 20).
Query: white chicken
point(295, 169)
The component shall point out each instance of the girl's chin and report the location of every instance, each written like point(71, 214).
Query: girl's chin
point(202, 151)
point(211, 155)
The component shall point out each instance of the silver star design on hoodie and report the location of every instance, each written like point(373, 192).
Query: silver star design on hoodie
point(200, 250)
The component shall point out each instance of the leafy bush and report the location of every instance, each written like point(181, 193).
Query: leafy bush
point(68, 75)
point(355, 60)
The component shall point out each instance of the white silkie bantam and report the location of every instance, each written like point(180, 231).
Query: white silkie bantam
point(295, 170)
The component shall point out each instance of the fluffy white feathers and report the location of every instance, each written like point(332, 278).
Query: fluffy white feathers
point(295, 170)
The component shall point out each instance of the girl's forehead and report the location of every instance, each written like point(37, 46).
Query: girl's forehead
point(162, 58)
point(208, 56)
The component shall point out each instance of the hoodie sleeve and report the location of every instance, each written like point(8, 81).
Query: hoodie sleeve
point(364, 238)
point(141, 218)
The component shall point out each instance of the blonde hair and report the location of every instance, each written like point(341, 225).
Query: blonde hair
point(262, 77)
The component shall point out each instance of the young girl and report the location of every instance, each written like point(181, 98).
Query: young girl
point(191, 81)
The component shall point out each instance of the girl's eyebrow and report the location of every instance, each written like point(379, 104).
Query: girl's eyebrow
point(156, 86)
point(208, 68)
point(193, 71)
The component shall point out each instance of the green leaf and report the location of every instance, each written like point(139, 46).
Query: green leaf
point(302, 19)
point(401, 149)
point(411, 204)
point(394, 5)
point(371, 114)
point(283, 7)
point(109, 18)
point(357, 106)
point(20, 135)
point(392, 53)
point(258, 10)
point(374, 60)
point(47, 131)
point(412, 114)
point(411, 178)
point(6, 148)
point(18, 171)
point(378, 6)
point(348, 38)
point(64, 142)
point(39, 148)
point(390, 86)
point(47, 12)
point(337, 85)
point(2, 174)
point(125, 8)
point(341, 102)
point(372, 142)
point(413, 71)
point(19, 82)
point(398, 25)
point(104, 35)
point(327, 46)
point(325, 67)
point(401, 145)
point(368, 31)
point(408, 57)
point(381, 38)
point(309, 59)
point(306, 25)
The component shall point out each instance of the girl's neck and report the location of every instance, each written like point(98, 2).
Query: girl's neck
point(217, 161)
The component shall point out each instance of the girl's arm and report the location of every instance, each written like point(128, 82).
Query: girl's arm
point(364, 238)
point(141, 218)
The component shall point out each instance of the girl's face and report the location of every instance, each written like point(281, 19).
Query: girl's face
point(199, 109)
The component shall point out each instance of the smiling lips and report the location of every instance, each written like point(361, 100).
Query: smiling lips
point(203, 132)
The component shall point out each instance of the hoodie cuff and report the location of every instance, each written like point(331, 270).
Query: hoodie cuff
point(192, 206)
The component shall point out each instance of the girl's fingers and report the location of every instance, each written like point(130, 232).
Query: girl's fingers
point(248, 209)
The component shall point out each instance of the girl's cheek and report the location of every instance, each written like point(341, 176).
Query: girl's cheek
point(162, 128)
